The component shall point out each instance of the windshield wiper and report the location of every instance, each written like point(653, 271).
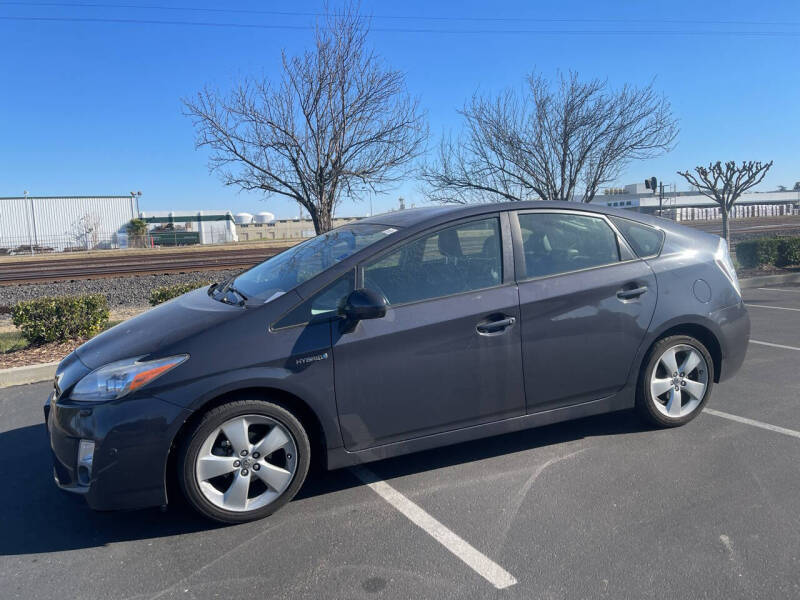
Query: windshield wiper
point(220, 291)
point(232, 289)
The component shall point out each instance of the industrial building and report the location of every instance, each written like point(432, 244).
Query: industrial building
point(57, 223)
point(264, 226)
point(182, 228)
point(44, 224)
point(693, 206)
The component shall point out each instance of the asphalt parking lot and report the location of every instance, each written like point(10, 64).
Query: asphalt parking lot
point(602, 507)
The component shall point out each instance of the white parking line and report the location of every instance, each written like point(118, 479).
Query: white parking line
point(775, 307)
point(754, 423)
point(477, 561)
point(793, 290)
point(774, 345)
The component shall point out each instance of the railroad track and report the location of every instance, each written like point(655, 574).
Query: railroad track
point(44, 270)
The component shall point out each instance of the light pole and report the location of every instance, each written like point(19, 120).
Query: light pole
point(28, 223)
point(135, 215)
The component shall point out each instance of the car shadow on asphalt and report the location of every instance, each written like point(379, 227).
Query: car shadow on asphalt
point(617, 423)
point(36, 517)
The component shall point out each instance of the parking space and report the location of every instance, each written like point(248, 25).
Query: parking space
point(775, 312)
point(601, 507)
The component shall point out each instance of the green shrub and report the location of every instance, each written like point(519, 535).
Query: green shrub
point(168, 292)
point(60, 319)
point(756, 253)
point(788, 252)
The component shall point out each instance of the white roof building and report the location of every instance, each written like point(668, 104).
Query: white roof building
point(638, 197)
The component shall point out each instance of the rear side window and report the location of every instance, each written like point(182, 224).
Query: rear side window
point(556, 243)
point(645, 241)
point(454, 260)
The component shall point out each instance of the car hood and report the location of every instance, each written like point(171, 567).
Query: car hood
point(157, 328)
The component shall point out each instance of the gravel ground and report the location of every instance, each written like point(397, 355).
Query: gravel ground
point(121, 292)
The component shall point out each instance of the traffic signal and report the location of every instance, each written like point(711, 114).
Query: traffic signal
point(651, 184)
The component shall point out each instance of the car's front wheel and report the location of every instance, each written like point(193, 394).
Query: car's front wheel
point(243, 461)
point(675, 382)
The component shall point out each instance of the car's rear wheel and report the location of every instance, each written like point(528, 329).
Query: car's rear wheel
point(243, 461)
point(676, 381)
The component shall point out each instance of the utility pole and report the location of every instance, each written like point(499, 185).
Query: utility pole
point(660, 197)
point(135, 196)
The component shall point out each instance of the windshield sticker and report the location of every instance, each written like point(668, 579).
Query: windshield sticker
point(389, 231)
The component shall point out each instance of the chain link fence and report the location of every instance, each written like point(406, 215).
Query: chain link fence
point(96, 240)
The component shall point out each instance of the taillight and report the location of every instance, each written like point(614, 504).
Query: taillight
point(723, 259)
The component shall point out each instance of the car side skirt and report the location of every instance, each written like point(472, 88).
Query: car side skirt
point(622, 400)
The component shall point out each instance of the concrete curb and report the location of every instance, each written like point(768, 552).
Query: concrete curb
point(29, 374)
point(753, 282)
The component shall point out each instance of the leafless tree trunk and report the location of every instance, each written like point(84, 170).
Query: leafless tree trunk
point(86, 231)
point(724, 183)
point(337, 123)
point(550, 142)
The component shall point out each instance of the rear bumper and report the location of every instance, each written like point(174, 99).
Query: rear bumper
point(132, 441)
point(734, 326)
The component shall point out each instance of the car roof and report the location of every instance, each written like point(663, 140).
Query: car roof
point(445, 212)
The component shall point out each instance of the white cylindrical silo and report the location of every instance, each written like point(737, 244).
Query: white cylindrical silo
point(264, 217)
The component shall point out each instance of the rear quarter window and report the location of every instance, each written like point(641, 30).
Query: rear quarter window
point(646, 241)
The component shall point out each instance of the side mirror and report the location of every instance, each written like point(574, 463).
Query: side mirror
point(364, 304)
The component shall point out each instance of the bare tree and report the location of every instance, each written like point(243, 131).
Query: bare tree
point(338, 122)
point(557, 141)
point(724, 183)
point(86, 231)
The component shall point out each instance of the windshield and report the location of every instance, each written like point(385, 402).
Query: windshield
point(300, 263)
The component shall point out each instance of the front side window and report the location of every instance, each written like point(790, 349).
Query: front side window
point(300, 263)
point(556, 243)
point(450, 261)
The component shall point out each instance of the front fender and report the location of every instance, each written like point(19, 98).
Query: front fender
point(314, 388)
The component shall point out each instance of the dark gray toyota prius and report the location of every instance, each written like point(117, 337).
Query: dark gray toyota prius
point(398, 333)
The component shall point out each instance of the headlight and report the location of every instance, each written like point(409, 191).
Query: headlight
point(120, 378)
point(723, 259)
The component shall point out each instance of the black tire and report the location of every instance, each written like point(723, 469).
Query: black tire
point(214, 418)
point(645, 403)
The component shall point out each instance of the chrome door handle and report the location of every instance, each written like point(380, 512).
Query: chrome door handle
point(495, 326)
point(630, 294)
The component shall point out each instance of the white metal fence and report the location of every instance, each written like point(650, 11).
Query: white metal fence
point(686, 213)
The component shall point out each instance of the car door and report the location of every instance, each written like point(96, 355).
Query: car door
point(586, 302)
point(447, 353)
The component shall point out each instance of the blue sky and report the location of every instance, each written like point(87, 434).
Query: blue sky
point(94, 107)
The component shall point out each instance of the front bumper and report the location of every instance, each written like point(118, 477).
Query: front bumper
point(132, 440)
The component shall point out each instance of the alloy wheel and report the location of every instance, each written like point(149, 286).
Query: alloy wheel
point(679, 381)
point(246, 463)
